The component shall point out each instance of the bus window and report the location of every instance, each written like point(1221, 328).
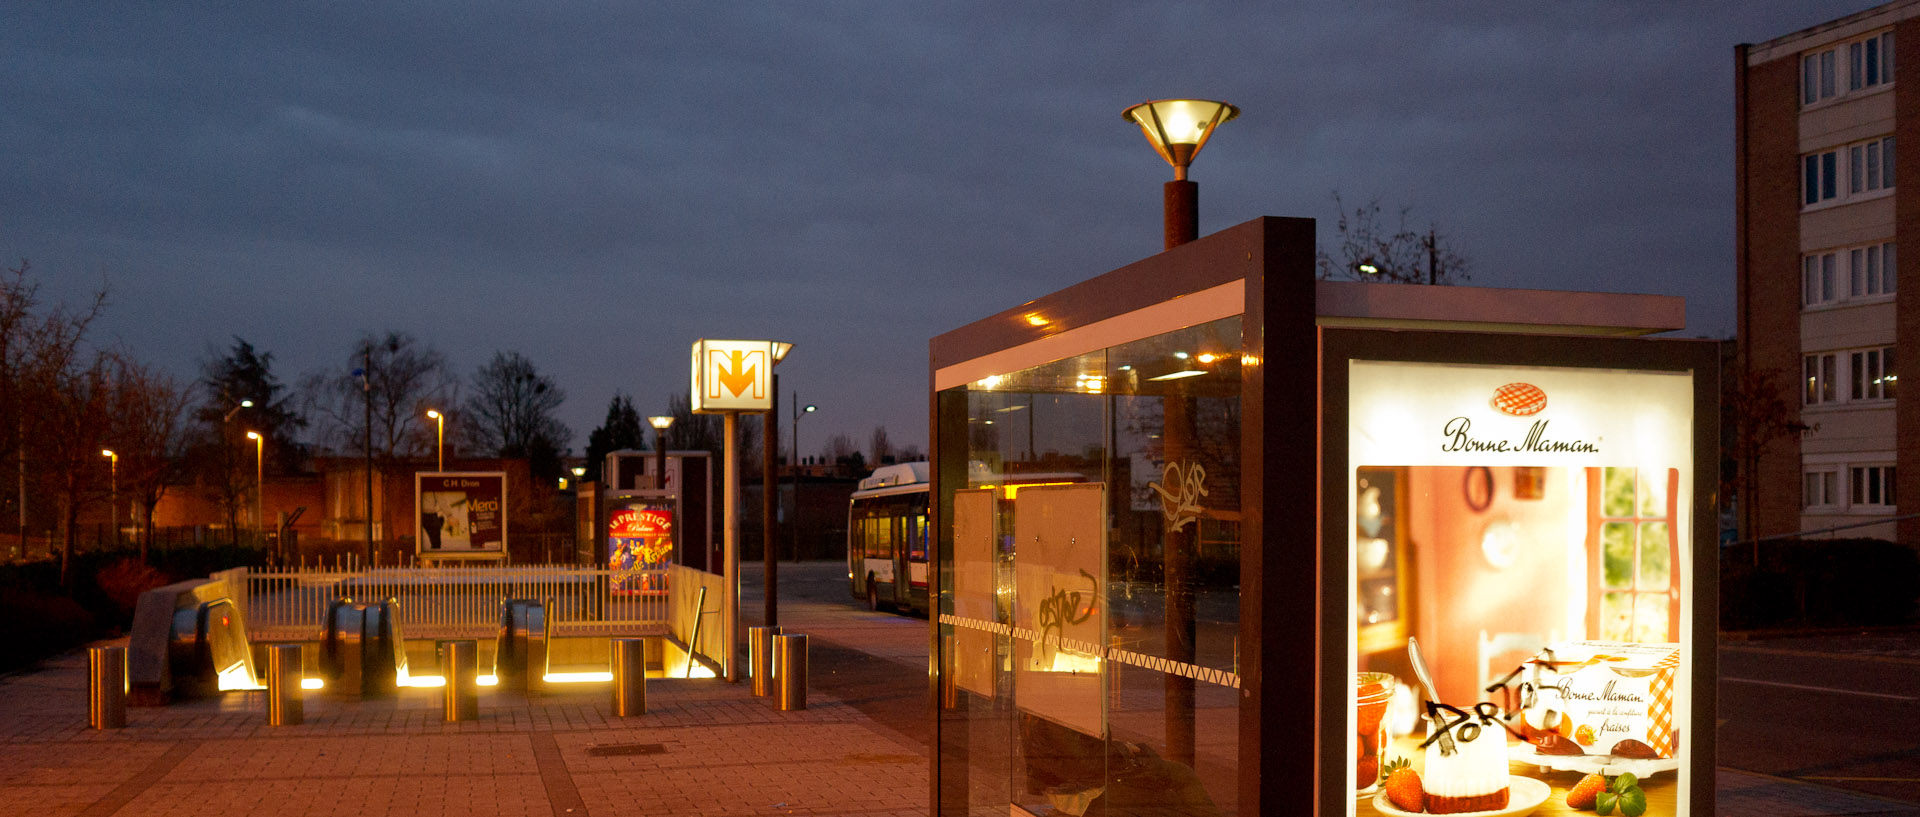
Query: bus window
point(917, 537)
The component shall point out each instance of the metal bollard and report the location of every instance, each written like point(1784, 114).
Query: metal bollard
point(107, 687)
point(459, 663)
point(760, 658)
point(790, 672)
point(629, 677)
point(285, 704)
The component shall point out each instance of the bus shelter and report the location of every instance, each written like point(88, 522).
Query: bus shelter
point(1194, 518)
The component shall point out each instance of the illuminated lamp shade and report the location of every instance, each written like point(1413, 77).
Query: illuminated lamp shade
point(660, 421)
point(1179, 128)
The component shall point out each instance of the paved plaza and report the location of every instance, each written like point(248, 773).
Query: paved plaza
point(703, 747)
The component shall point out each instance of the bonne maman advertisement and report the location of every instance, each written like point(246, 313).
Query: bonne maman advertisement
point(462, 513)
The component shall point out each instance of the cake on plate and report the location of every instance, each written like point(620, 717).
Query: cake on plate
point(1466, 760)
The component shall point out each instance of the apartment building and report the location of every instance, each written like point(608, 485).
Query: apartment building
point(1819, 118)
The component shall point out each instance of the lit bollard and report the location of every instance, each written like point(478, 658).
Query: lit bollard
point(107, 687)
point(285, 706)
point(790, 672)
point(629, 677)
point(760, 658)
point(459, 661)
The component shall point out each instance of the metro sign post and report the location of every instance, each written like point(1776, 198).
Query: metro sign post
point(729, 377)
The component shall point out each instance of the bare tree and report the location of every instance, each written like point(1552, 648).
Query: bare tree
point(35, 342)
point(1760, 406)
point(511, 408)
point(879, 448)
point(150, 433)
point(1367, 249)
point(69, 425)
point(395, 379)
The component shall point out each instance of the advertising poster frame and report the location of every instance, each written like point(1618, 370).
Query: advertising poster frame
point(636, 524)
point(457, 490)
point(1692, 783)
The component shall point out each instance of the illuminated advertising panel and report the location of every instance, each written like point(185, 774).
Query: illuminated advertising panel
point(1520, 550)
point(640, 546)
point(460, 514)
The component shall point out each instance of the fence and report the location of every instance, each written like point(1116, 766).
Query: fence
point(453, 602)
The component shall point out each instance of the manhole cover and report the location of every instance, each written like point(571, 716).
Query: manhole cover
point(621, 749)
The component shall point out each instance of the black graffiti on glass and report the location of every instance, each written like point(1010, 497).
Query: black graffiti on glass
point(1460, 439)
point(1061, 608)
point(1181, 504)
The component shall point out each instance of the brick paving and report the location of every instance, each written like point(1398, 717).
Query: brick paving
point(706, 747)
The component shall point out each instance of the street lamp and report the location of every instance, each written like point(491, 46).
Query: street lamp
point(259, 482)
point(1178, 129)
point(439, 438)
point(660, 423)
point(236, 410)
point(113, 491)
point(794, 464)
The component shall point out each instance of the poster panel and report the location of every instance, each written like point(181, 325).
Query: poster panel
point(640, 535)
point(1059, 618)
point(975, 575)
point(1530, 528)
point(460, 514)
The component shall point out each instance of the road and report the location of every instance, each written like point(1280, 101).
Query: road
point(1808, 711)
point(1836, 711)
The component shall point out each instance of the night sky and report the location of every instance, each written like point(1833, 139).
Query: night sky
point(597, 185)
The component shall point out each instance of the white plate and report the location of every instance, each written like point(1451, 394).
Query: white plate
point(1524, 794)
point(1603, 764)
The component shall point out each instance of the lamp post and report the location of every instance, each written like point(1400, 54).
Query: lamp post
point(113, 491)
point(259, 483)
point(439, 438)
point(1178, 129)
point(769, 516)
point(794, 463)
point(660, 425)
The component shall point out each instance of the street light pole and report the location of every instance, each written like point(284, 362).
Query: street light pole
point(660, 424)
point(259, 484)
point(113, 492)
point(1178, 129)
point(794, 464)
point(439, 438)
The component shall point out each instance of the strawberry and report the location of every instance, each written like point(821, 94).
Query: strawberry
point(1367, 772)
point(1403, 786)
point(1582, 795)
point(1584, 735)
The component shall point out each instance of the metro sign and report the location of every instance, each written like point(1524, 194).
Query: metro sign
point(732, 375)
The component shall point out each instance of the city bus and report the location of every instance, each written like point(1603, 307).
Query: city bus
point(887, 538)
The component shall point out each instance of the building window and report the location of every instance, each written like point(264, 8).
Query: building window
point(1871, 371)
point(1869, 65)
point(1872, 486)
point(1870, 270)
point(1822, 177)
point(1818, 274)
point(1870, 62)
point(1816, 77)
point(1821, 489)
point(1868, 168)
point(1820, 376)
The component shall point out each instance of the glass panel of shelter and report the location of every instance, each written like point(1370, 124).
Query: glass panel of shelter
point(1107, 484)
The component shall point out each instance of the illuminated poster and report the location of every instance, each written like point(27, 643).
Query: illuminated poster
point(461, 514)
point(639, 548)
point(1528, 529)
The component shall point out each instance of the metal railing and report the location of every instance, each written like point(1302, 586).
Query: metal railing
point(455, 602)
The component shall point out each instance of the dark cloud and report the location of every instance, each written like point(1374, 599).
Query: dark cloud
point(596, 185)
